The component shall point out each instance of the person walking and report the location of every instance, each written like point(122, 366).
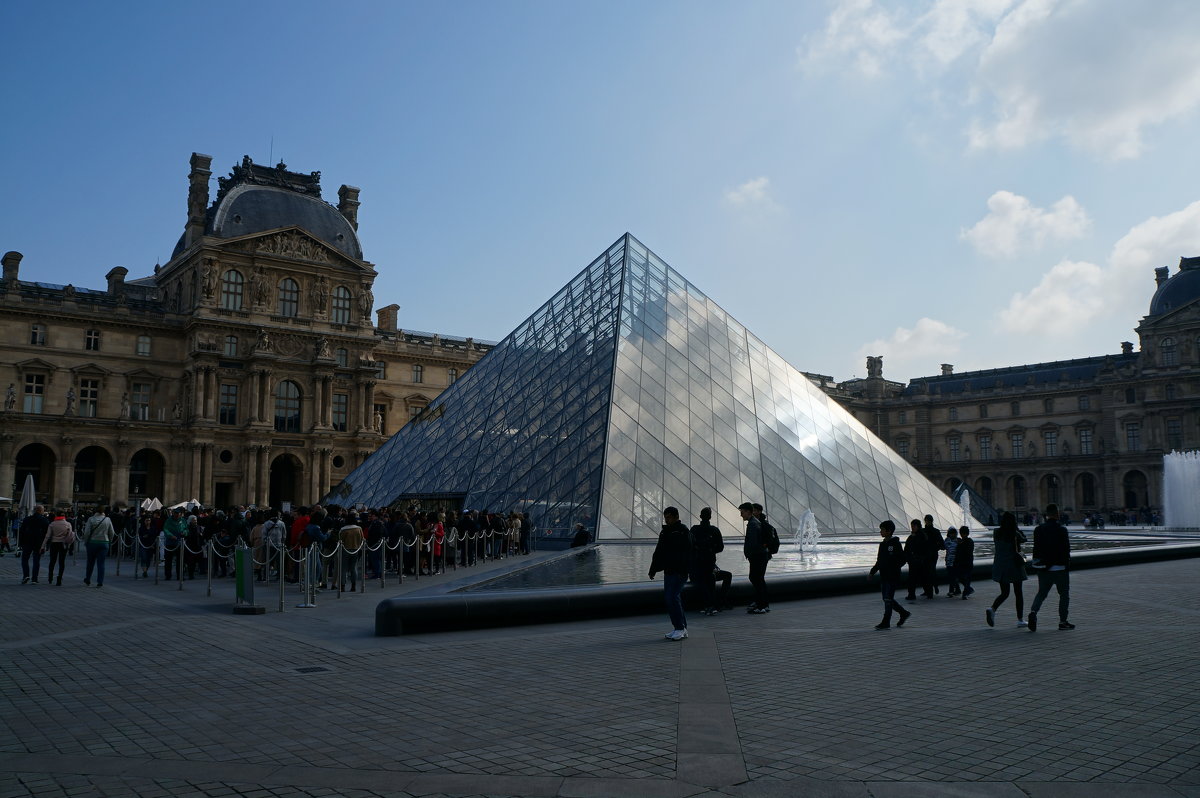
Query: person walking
point(933, 539)
point(964, 560)
point(916, 551)
point(756, 552)
point(1052, 557)
point(29, 538)
point(97, 534)
point(146, 541)
point(672, 556)
point(706, 544)
point(174, 531)
point(351, 538)
point(1008, 567)
point(888, 562)
point(60, 536)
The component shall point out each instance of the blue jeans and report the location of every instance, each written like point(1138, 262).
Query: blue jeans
point(97, 550)
point(673, 591)
point(888, 590)
point(1059, 579)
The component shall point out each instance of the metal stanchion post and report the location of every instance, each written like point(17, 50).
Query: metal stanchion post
point(362, 567)
point(307, 579)
point(339, 552)
point(210, 553)
point(282, 581)
point(179, 562)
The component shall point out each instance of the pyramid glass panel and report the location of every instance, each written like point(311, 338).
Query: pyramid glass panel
point(628, 391)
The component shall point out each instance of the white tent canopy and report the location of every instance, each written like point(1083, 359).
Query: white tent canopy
point(190, 504)
point(150, 505)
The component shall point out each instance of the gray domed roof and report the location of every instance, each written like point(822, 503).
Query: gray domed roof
point(251, 208)
point(1182, 289)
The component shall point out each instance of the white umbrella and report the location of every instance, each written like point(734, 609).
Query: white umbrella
point(28, 499)
point(150, 505)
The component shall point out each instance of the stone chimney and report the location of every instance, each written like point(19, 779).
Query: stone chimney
point(947, 369)
point(1126, 347)
point(116, 279)
point(1161, 275)
point(12, 266)
point(197, 198)
point(348, 204)
point(387, 317)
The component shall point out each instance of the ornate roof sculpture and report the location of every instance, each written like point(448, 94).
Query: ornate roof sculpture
point(627, 392)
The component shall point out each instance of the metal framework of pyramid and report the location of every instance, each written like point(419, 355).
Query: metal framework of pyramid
point(630, 391)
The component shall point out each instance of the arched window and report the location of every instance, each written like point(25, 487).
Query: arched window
point(341, 305)
point(343, 358)
point(289, 298)
point(287, 407)
point(1168, 352)
point(232, 284)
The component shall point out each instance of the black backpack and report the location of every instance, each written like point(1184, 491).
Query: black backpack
point(770, 538)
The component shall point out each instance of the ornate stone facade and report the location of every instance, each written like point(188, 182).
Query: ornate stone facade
point(247, 369)
point(1088, 434)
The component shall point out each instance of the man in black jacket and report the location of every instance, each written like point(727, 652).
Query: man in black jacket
point(1052, 555)
point(30, 537)
point(888, 562)
point(916, 550)
point(672, 556)
point(758, 555)
point(706, 544)
point(935, 542)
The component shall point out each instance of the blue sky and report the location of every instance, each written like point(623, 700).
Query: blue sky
point(982, 182)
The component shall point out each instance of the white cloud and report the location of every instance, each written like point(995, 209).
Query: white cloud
point(1074, 294)
point(1096, 74)
point(751, 193)
point(906, 351)
point(1013, 224)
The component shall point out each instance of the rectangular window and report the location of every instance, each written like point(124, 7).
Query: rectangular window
point(902, 417)
point(1016, 408)
point(902, 448)
point(451, 376)
point(91, 340)
point(983, 411)
point(1133, 436)
point(1174, 434)
point(1085, 441)
point(954, 444)
point(1130, 396)
point(139, 409)
point(231, 346)
point(381, 369)
point(1085, 403)
point(1016, 441)
point(37, 334)
point(418, 373)
point(985, 447)
point(35, 392)
point(89, 398)
point(228, 411)
point(1048, 405)
point(954, 414)
point(1050, 443)
point(143, 346)
point(341, 411)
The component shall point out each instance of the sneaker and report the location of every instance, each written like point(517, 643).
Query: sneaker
point(25, 581)
point(1021, 624)
point(669, 635)
point(1032, 622)
point(991, 616)
point(882, 626)
point(968, 592)
point(904, 616)
point(1064, 626)
point(87, 582)
point(759, 611)
point(677, 634)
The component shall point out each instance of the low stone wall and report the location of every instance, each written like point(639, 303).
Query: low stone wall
point(480, 609)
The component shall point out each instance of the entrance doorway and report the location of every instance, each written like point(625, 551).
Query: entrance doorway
point(287, 474)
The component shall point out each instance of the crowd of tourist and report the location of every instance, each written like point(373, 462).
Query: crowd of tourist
point(411, 542)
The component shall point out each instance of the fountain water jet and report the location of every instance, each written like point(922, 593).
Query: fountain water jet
point(1181, 489)
point(808, 535)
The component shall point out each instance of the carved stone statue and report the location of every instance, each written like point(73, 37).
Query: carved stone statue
point(319, 295)
point(874, 366)
point(209, 279)
point(125, 405)
point(366, 301)
point(69, 291)
point(378, 421)
point(10, 398)
point(323, 348)
point(177, 412)
point(263, 342)
point(70, 411)
point(260, 289)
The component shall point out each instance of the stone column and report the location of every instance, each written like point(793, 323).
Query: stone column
point(118, 492)
point(250, 473)
point(318, 396)
point(206, 486)
point(64, 485)
point(368, 405)
point(264, 397)
point(252, 397)
point(314, 477)
point(327, 471)
point(327, 387)
point(263, 459)
point(194, 483)
point(8, 466)
point(210, 392)
point(200, 384)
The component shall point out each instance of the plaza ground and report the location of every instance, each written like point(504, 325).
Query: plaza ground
point(140, 689)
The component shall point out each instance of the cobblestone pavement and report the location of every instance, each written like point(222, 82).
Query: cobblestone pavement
point(139, 689)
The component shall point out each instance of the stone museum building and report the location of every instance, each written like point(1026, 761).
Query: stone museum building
point(1088, 434)
point(247, 369)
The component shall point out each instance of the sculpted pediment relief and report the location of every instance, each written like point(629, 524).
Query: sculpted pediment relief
point(291, 244)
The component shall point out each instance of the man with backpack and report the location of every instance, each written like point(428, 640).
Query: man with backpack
point(760, 539)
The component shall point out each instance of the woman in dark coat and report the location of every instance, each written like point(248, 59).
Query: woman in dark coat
point(1008, 567)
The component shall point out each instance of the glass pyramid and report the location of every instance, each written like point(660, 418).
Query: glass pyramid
point(630, 391)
